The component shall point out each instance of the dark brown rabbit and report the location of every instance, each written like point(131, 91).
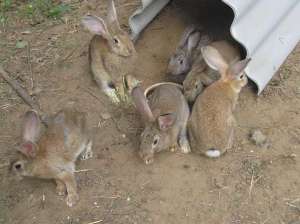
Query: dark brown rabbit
point(111, 53)
point(52, 154)
point(201, 75)
point(165, 120)
point(211, 125)
point(182, 59)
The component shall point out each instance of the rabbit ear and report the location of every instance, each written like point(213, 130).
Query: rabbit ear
point(214, 59)
point(165, 121)
point(193, 41)
point(141, 103)
point(112, 18)
point(238, 67)
point(28, 149)
point(31, 126)
point(187, 32)
point(95, 25)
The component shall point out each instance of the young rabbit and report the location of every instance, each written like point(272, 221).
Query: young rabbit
point(165, 119)
point(111, 53)
point(202, 75)
point(211, 124)
point(52, 154)
point(182, 60)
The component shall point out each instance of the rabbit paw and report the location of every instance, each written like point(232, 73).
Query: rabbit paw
point(184, 145)
point(60, 188)
point(72, 199)
point(113, 95)
point(87, 153)
point(173, 148)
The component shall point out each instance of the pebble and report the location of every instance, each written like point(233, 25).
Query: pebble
point(258, 138)
point(105, 116)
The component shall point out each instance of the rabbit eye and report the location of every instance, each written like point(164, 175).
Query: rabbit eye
point(155, 141)
point(116, 41)
point(18, 166)
point(241, 76)
point(181, 61)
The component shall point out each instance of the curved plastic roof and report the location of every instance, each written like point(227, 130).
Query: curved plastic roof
point(269, 30)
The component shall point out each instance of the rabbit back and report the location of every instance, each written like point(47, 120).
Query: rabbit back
point(211, 124)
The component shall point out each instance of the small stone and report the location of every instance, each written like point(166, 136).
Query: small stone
point(294, 222)
point(26, 32)
point(123, 136)
point(128, 199)
point(258, 138)
point(105, 116)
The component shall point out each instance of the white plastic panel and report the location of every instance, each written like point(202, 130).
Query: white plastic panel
point(269, 31)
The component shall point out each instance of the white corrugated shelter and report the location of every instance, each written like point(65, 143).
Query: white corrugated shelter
point(268, 30)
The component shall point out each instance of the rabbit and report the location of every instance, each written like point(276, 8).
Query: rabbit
point(165, 119)
point(111, 53)
point(181, 61)
point(202, 75)
point(211, 124)
point(52, 154)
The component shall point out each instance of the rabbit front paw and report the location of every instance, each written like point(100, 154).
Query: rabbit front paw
point(60, 188)
point(72, 199)
point(87, 153)
point(184, 145)
point(113, 95)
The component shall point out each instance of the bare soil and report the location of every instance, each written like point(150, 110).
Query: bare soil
point(249, 184)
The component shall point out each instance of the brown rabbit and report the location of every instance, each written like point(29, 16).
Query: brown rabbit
point(165, 119)
point(52, 154)
point(202, 75)
point(111, 53)
point(211, 124)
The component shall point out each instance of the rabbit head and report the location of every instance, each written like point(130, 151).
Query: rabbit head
point(118, 40)
point(192, 86)
point(181, 61)
point(154, 138)
point(28, 148)
point(232, 73)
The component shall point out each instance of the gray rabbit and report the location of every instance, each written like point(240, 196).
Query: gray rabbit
point(186, 52)
point(165, 119)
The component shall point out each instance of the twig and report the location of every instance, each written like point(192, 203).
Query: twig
point(84, 170)
point(264, 222)
point(95, 222)
point(252, 183)
point(293, 206)
point(20, 91)
point(30, 66)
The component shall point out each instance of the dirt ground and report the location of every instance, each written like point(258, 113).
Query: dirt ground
point(248, 185)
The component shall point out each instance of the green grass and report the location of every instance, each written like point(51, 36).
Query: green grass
point(5, 5)
point(34, 10)
point(44, 8)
